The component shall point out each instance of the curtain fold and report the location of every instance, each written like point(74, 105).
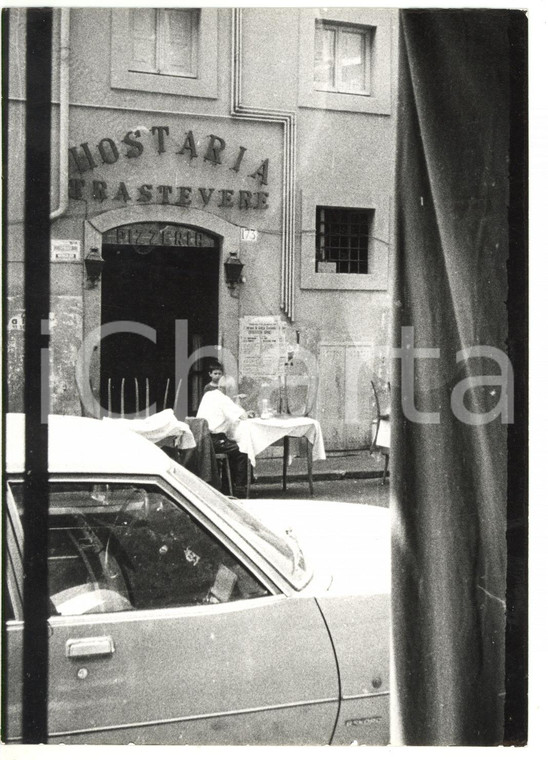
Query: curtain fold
point(449, 476)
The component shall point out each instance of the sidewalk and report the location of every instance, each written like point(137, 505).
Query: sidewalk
point(338, 465)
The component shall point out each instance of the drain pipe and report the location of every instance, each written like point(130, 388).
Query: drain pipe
point(64, 51)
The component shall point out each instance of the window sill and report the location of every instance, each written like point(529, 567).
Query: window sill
point(322, 281)
point(333, 91)
point(162, 74)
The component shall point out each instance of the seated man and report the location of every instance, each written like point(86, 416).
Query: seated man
point(221, 413)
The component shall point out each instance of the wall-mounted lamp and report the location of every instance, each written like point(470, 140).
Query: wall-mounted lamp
point(233, 270)
point(94, 264)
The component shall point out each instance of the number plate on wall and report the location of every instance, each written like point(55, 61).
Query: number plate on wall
point(249, 236)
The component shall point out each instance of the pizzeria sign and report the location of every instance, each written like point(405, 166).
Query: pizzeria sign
point(157, 233)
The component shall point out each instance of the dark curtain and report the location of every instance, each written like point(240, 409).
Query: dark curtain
point(449, 482)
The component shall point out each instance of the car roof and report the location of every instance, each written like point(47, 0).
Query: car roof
point(85, 445)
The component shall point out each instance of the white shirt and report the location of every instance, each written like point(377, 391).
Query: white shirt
point(219, 411)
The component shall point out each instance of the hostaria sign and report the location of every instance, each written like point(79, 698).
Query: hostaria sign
point(86, 158)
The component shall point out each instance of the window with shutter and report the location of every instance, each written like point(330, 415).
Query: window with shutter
point(342, 58)
point(165, 50)
point(165, 41)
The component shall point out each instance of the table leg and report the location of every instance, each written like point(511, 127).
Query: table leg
point(285, 460)
point(248, 479)
point(309, 465)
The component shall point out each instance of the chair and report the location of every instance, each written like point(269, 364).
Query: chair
point(202, 460)
point(382, 426)
point(224, 464)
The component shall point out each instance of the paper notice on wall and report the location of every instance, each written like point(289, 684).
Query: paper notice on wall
point(263, 346)
point(65, 250)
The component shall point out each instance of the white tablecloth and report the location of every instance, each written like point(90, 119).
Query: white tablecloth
point(256, 435)
point(162, 428)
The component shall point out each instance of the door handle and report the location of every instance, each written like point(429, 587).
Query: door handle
point(91, 647)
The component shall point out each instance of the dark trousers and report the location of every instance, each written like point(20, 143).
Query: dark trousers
point(237, 460)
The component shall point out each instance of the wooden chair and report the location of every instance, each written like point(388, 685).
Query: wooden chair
point(382, 419)
point(224, 464)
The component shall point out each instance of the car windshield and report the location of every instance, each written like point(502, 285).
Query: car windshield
point(281, 551)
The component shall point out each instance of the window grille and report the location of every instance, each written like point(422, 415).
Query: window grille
point(342, 240)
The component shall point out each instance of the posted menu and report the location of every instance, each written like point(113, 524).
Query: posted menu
point(263, 346)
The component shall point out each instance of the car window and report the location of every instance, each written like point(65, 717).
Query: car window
point(117, 546)
point(281, 551)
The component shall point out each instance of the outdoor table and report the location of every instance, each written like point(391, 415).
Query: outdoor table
point(256, 434)
point(162, 428)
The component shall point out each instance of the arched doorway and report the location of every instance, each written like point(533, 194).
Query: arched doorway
point(155, 274)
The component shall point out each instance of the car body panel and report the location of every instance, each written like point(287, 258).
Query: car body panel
point(209, 664)
point(349, 547)
point(359, 627)
point(347, 544)
point(107, 449)
point(364, 721)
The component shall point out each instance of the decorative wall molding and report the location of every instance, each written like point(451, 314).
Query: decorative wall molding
point(288, 121)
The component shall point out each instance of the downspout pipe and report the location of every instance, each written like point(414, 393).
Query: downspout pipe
point(64, 52)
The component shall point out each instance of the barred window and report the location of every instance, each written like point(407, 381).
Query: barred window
point(342, 240)
point(342, 58)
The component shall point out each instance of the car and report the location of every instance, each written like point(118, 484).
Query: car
point(179, 615)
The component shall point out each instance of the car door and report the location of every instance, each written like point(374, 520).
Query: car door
point(164, 633)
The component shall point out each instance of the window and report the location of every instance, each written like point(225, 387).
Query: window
point(118, 546)
point(342, 240)
point(280, 551)
point(347, 59)
point(346, 239)
point(165, 41)
point(342, 58)
point(172, 51)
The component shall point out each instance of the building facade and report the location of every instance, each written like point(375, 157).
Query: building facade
point(184, 139)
